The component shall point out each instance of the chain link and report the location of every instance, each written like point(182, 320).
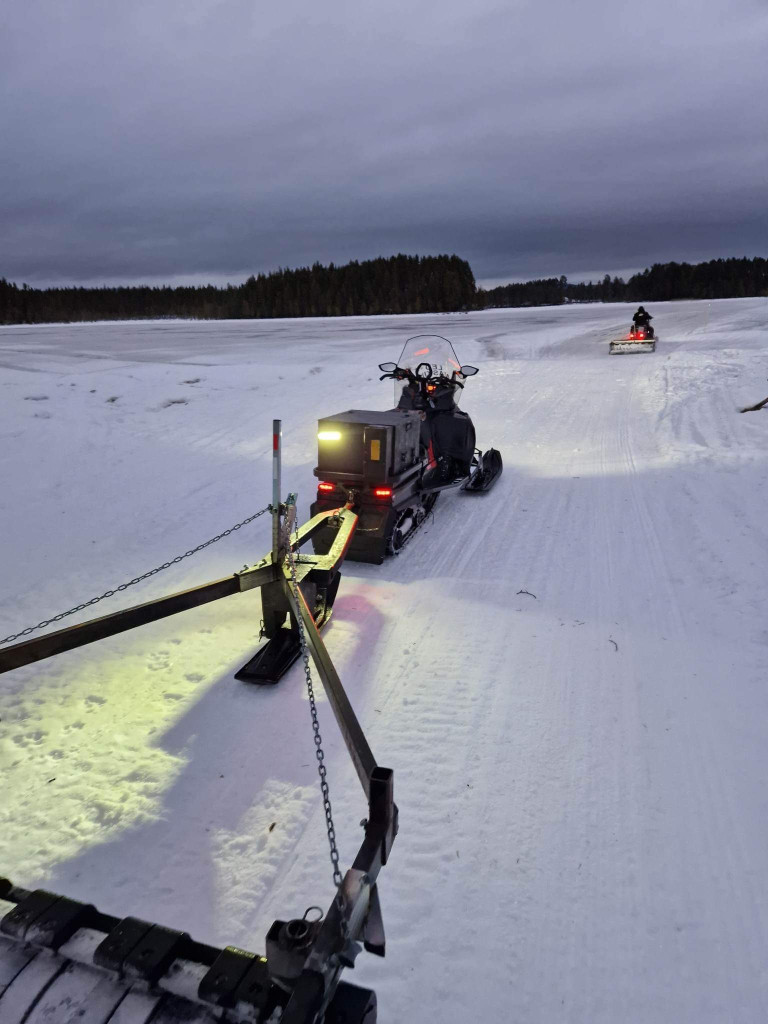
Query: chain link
point(319, 753)
point(136, 579)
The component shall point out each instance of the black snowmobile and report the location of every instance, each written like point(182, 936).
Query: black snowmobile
point(393, 465)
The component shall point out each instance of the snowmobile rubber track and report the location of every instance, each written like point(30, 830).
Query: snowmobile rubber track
point(397, 541)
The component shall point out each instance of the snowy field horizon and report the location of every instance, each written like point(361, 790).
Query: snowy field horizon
point(568, 675)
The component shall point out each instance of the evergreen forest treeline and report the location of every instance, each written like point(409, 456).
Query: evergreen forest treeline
point(398, 284)
point(716, 279)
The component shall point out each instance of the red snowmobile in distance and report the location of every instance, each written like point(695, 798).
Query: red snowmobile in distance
point(393, 465)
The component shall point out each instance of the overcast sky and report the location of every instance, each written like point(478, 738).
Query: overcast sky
point(190, 140)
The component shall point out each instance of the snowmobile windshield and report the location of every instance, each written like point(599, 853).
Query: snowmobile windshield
point(430, 350)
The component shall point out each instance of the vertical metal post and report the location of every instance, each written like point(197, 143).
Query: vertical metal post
point(277, 438)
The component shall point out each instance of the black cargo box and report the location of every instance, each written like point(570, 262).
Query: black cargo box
point(365, 446)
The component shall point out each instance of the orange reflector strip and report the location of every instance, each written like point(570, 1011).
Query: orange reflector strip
point(422, 352)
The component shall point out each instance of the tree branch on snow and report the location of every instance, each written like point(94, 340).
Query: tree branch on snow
point(755, 408)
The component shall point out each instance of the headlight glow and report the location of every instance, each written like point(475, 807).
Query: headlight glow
point(329, 435)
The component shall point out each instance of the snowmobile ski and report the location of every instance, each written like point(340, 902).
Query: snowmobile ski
point(487, 473)
point(270, 663)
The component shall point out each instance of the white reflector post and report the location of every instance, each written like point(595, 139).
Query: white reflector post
point(277, 439)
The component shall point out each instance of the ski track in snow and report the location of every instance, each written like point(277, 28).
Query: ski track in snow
point(580, 769)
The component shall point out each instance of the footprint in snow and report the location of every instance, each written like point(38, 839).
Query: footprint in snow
point(36, 398)
point(139, 775)
point(112, 398)
point(158, 661)
point(194, 380)
point(25, 739)
point(174, 401)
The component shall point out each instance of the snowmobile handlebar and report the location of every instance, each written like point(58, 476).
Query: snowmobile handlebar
point(439, 379)
point(397, 373)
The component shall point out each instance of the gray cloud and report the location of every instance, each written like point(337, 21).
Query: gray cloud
point(220, 138)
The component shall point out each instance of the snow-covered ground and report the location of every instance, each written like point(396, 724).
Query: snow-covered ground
point(580, 769)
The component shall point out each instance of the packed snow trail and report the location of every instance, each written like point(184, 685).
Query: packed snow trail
point(567, 675)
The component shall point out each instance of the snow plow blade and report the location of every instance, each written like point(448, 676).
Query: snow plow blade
point(625, 345)
point(63, 961)
point(488, 472)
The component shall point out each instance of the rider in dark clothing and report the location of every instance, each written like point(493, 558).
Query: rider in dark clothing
point(641, 319)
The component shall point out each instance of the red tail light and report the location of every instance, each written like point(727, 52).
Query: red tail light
point(382, 492)
point(326, 487)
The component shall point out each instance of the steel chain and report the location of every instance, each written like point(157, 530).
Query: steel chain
point(136, 579)
point(319, 753)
